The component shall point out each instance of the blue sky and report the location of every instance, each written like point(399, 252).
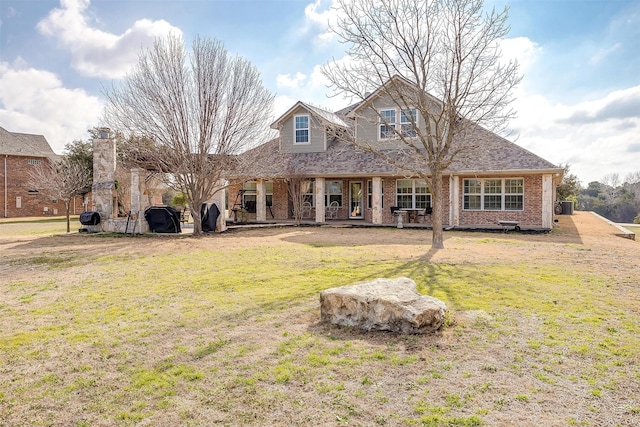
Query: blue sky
point(579, 101)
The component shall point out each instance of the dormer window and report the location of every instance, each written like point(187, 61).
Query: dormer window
point(407, 120)
point(389, 121)
point(301, 128)
point(387, 124)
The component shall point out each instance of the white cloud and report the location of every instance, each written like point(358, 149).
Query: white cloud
point(596, 137)
point(34, 101)
point(322, 14)
point(287, 81)
point(521, 49)
point(94, 52)
point(601, 54)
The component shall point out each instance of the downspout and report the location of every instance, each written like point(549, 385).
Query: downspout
point(6, 193)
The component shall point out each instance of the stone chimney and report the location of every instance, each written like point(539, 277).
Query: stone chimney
point(104, 172)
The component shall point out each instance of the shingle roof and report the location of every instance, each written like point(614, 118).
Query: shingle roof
point(486, 152)
point(481, 151)
point(24, 144)
point(324, 115)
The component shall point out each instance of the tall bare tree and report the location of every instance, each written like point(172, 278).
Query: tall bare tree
point(189, 112)
point(448, 57)
point(62, 180)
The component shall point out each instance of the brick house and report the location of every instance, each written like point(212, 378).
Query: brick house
point(492, 180)
point(20, 152)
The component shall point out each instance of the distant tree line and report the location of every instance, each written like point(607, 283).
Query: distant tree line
point(613, 197)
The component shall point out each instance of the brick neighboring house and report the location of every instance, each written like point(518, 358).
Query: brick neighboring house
point(494, 179)
point(20, 152)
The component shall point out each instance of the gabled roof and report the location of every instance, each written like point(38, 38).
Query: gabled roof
point(324, 116)
point(491, 155)
point(24, 144)
point(351, 111)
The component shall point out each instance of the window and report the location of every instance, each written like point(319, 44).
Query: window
point(370, 194)
point(301, 125)
point(513, 194)
point(387, 124)
point(493, 194)
point(34, 162)
point(408, 118)
point(408, 121)
point(412, 194)
point(309, 196)
point(249, 196)
point(472, 194)
point(333, 193)
point(268, 187)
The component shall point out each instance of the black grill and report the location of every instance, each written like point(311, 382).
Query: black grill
point(89, 218)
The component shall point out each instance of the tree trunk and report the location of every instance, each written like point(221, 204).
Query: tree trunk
point(197, 219)
point(437, 240)
point(66, 208)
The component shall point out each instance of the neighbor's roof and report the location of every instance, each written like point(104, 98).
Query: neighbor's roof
point(325, 116)
point(24, 144)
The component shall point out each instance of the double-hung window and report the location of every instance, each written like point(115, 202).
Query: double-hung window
point(387, 124)
point(493, 194)
point(301, 125)
point(412, 194)
point(398, 122)
point(333, 193)
point(408, 121)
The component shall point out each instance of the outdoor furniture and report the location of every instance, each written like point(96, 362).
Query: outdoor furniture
point(506, 225)
point(332, 210)
point(411, 213)
point(398, 213)
point(423, 214)
point(306, 210)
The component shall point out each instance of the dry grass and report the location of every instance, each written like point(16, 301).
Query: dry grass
point(543, 329)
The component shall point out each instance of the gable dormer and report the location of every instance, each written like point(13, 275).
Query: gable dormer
point(306, 129)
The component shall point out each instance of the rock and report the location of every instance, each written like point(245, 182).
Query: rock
point(382, 304)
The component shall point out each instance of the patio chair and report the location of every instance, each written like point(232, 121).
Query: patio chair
point(306, 210)
point(427, 211)
point(332, 210)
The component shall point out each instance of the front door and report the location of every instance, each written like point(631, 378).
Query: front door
point(356, 198)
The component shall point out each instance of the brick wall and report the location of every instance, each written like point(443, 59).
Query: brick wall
point(530, 216)
point(31, 204)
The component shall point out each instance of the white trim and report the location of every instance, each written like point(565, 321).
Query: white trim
point(502, 194)
point(308, 129)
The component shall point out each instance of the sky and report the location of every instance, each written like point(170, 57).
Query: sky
point(578, 103)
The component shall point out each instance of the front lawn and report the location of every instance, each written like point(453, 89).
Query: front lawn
point(99, 330)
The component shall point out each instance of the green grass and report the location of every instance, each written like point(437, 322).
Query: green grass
point(635, 229)
point(217, 332)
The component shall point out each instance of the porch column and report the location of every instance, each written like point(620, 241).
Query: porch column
point(454, 200)
point(138, 203)
point(319, 194)
point(376, 200)
point(261, 201)
point(547, 201)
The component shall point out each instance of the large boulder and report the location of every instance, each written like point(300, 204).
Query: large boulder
point(382, 304)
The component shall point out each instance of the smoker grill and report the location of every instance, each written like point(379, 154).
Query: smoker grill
point(89, 218)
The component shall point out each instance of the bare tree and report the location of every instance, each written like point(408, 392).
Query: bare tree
point(448, 57)
point(62, 180)
point(189, 113)
point(298, 187)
